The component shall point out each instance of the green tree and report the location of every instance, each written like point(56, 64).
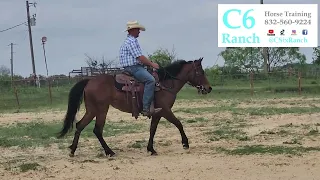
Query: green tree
point(284, 55)
point(252, 58)
point(316, 55)
point(4, 71)
point(245, 58)
point(163, 56)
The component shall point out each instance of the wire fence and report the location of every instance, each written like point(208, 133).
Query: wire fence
point(26, 94)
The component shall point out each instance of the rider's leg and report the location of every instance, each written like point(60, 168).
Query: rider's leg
point(142, 75)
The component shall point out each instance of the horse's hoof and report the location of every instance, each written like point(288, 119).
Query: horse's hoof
point(185, 146)
point(112, 154)
point(154, 154)
point(71, 155)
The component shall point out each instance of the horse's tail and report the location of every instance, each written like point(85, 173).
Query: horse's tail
point(74, 102)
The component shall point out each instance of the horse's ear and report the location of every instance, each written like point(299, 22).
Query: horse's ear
point(200, 59)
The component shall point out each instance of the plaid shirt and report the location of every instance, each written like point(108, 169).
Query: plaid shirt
point(129, 52)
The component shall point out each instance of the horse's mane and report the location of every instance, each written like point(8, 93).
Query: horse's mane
point(172, 70)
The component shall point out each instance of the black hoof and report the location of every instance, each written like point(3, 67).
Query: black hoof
point(153, 152)
point(111, 154)
point(185, 146)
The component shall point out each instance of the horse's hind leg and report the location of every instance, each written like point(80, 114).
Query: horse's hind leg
point(98, 129)
point(153, 128)
point(86, 119)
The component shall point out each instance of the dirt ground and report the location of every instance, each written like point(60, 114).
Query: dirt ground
point(201, 161)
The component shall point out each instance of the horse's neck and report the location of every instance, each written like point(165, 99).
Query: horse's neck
point(176, 84)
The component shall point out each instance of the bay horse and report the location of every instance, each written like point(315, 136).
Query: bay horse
point(100, 92)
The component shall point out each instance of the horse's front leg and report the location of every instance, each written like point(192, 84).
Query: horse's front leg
point(172, 118)
point(153, 127)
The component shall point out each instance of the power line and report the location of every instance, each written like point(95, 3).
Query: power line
point(13, 27)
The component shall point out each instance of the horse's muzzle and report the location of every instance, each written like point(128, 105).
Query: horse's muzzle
point(203, 90)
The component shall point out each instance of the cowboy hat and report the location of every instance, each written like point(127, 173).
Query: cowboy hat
point(134, 24)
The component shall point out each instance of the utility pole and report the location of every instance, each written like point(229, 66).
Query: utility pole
point(31, 43)
point(265, 54)
point(11, 62)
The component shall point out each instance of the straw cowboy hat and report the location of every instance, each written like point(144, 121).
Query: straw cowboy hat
point(134, 24)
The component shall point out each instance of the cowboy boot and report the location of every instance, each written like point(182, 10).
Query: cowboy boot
point(151, 111)
point(154, 110)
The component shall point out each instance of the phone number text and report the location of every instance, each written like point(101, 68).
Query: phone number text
point(287, 22)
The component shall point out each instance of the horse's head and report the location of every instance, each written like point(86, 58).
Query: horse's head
point(197, 78)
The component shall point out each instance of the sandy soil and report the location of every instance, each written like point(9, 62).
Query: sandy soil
point(201, 161)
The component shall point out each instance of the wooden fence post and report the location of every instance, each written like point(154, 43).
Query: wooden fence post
point(251, 82)
point(299, 82)
point(17, 97)
point(50, 93)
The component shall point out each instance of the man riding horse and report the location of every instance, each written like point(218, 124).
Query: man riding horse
point(133, 61)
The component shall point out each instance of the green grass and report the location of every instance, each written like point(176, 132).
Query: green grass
point(228, 129)
point(258, 111)
point(227, 132)
point(37, 99)
point(138, 144)
point(34, 99)
point(43, 134)
point(28, 166)
point(273, 150)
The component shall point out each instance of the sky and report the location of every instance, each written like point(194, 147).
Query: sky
point(77, 27)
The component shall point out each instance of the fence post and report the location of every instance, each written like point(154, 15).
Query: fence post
point(50, 93)
point(251, 82)
point(17, 97)
point(299, 82)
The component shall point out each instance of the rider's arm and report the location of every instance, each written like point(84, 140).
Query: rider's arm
point(136, 52)
point(145, 60)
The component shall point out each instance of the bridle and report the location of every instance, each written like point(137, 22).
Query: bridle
point(198, 73)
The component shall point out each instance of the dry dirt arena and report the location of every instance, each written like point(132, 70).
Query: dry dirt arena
point(252, 139)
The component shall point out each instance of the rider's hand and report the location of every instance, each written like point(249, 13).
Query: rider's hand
point(155, 65)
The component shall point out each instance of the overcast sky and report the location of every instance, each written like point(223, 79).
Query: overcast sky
point(76, 27)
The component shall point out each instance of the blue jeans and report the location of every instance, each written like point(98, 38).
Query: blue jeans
point(142, 75)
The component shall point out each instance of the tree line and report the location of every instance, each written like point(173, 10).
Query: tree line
point(236, 60)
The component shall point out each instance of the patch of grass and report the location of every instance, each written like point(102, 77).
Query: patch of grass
point(280, 132)
point(313, 132)
point(34, 99)
point(20, 164)
point(201, 110)
point(28, 166)
point(165, 143)
point(197, 120)
point(44, 133)
point(227, 132)
point(261, 149)
point(294, 141)
point(253, 111)
point(290, 125)
point(138, 144)
point(165, 123)
point(273, 111)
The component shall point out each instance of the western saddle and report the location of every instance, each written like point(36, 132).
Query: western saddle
point(125, 82)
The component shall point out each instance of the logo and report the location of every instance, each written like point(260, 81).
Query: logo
point(271, 32)
point(282, 32)
point(293, 32)
point(304, 32)
point(248, 22)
